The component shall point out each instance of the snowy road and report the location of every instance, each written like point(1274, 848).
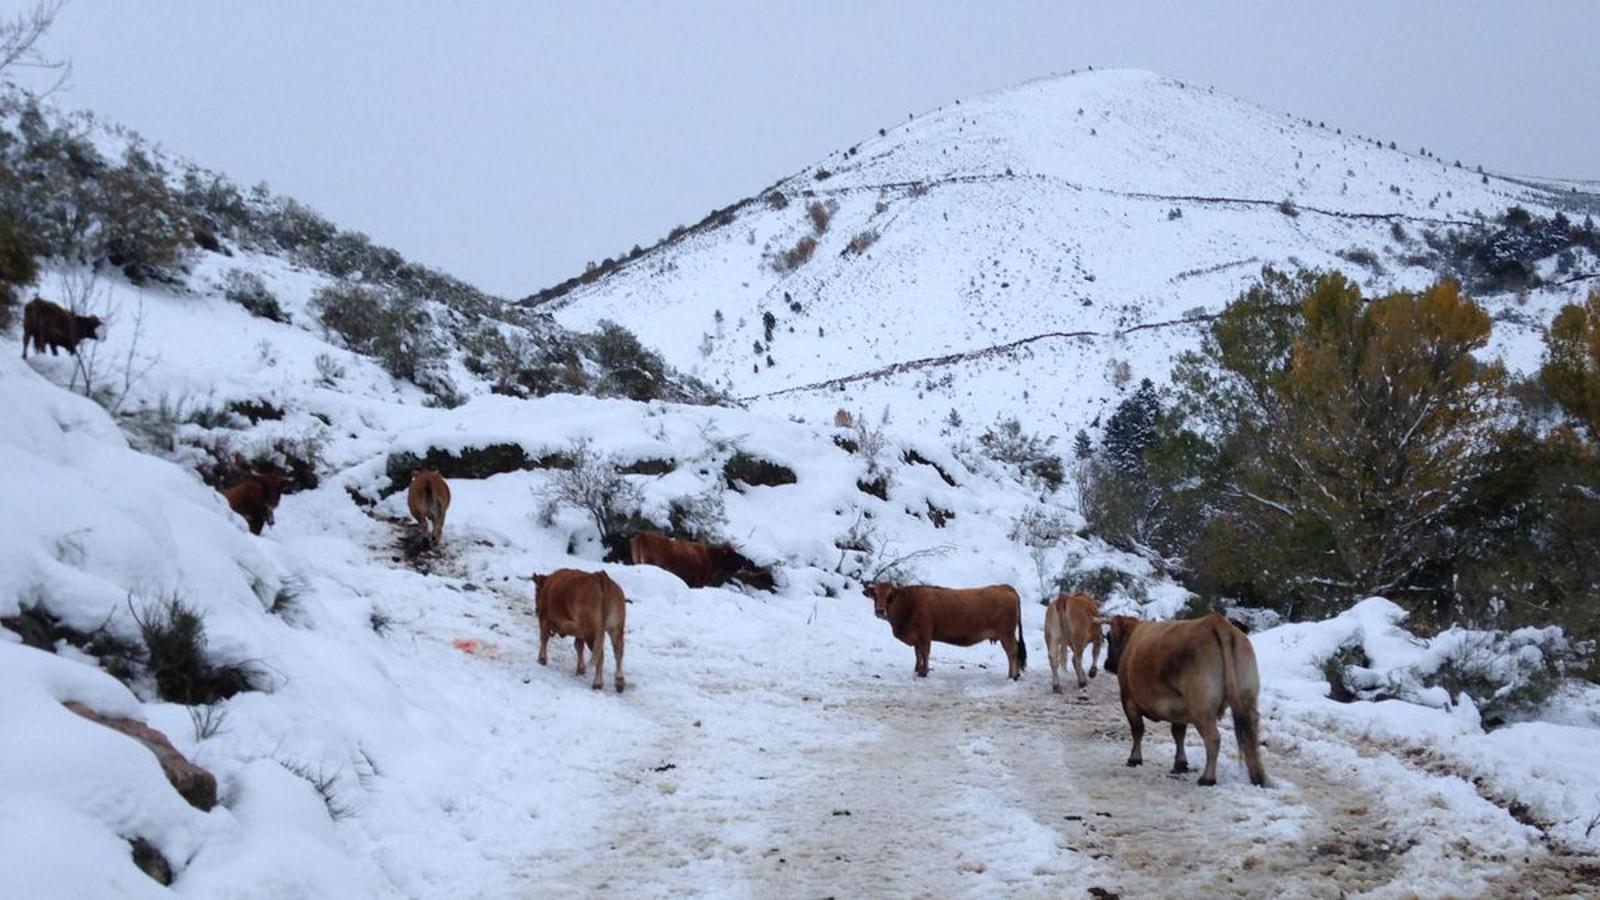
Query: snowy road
point(964, 785)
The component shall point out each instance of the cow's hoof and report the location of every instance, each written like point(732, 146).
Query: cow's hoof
point(597, 686)
point(1055, 688)
point(1083, 685)
point(1091, 673)
point(544, 662)
point(1207, 782)
point(1180, 768)
point(1134, 763)
point(619, 687)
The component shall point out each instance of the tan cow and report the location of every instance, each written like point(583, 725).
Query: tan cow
point(699, 565)
point(1070, 624)
point(1187, 673)
point(256, 498)
point(922, 614)
point(429, 500)
point(585, 606)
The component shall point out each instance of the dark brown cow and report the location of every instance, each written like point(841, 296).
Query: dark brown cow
point(51, 327)
point(921, 614)
point(255, 498)
point(585, 606)
point(699, 565)
point(1186, 673)
point(1070, 624)
point(429, 500)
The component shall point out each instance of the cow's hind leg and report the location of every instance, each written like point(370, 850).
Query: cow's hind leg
point(1136, 725)
point(1094, 655)
point(438, 525)
point(923, 647)
point(1244, 729)
point(1052, 646)
point(544, 644)
point(616, 650)
point(1077, 666)
point(1180, 762)
point(1213, 739)
point(1013, 669)
point(599, 661)
point(577, 644)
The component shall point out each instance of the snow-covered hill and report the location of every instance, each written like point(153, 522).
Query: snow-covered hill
point(1019, 245)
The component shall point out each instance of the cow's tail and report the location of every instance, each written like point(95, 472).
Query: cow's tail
point(1246, 720)
point(1022, 645)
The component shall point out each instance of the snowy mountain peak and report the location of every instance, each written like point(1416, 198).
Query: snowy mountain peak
point(1032, 251)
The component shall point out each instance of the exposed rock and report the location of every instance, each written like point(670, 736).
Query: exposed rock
point(150, 861)
point(197, 786)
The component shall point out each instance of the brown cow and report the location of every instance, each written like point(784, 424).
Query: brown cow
point(429, 499)
point(1186, 673)
point(699, 565)
point(1071, 623)
point(255, 498)
point(585, 606)
point(921, 614)
point(51, 327)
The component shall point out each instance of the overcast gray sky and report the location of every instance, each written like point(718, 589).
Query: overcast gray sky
point(510, 142)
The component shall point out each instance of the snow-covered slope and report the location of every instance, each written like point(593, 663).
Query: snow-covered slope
point(399, 738)
point(452, 764)
point(1026, 240)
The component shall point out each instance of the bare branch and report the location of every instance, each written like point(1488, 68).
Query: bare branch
point(19, 42)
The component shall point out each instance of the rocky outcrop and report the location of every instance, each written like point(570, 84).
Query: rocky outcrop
point(197, 786)
point(150, 861)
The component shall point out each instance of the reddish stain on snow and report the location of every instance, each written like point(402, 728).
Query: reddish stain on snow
point(475, 647)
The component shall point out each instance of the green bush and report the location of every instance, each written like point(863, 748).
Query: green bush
point(393, 327)
point(1006, 442)
point(742, 468)
point(247, 289)
point(18, 267)
point(630, 370)
point(174, 637)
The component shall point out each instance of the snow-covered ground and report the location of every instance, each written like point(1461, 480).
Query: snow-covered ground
point(769, 743)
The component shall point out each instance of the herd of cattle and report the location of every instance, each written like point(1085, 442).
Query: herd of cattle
point(1184, 672)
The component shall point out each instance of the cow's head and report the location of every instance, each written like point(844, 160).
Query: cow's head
point(730, 562)
point(1116, 638)
point(882, 595)
point(88, 327)
point(271, 487)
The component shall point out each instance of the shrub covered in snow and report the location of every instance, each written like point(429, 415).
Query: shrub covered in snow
point(592, 485)
point(247, 289)
point(392, 326)
point(1006, 442)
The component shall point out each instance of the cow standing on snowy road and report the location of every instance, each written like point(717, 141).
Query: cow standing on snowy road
point(921, 614)
point(1187, 673)
point(429, 499)
point(585, 606)
point(1070, 624)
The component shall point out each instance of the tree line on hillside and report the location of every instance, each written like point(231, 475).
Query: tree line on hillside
point(1321, 446)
